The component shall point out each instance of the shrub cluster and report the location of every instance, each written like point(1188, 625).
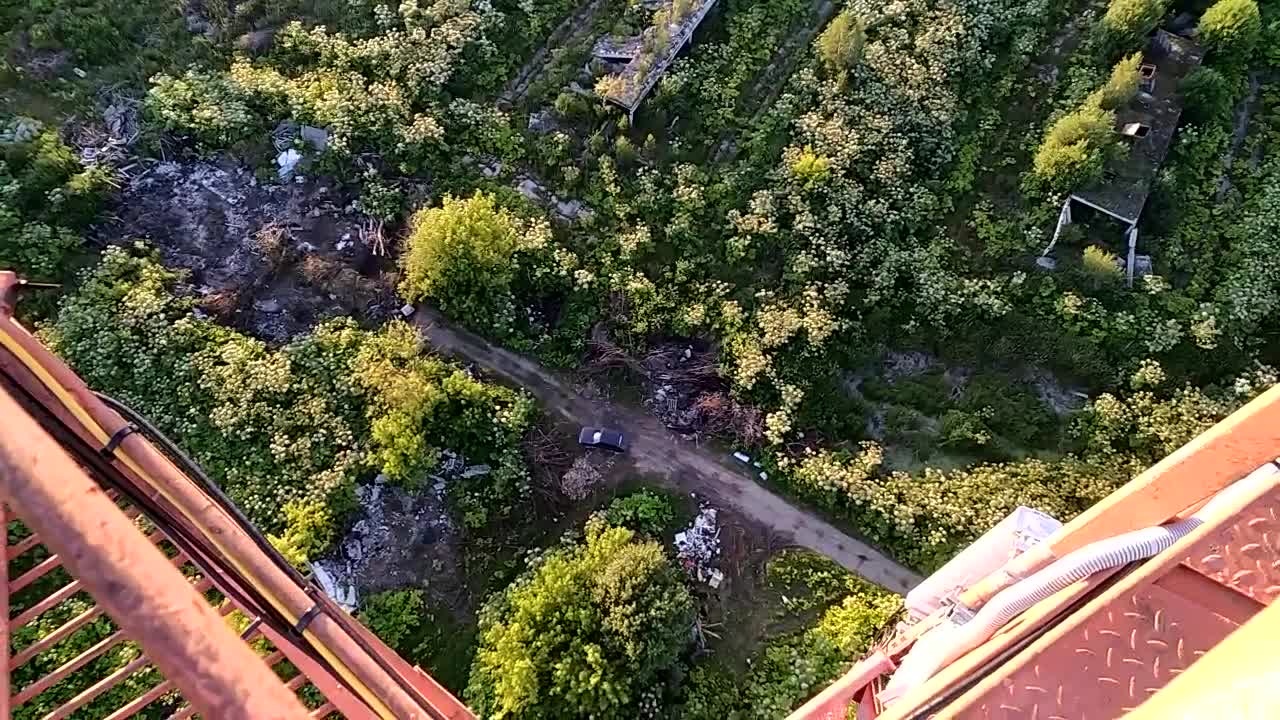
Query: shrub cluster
point(287, 432)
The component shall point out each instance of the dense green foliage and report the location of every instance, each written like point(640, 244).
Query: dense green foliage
point(850, 615)
point(292, 428)
point(1231, 28)
point(1208, 96)
point(1101, 263)
point(583, 633)
point(393, 615)
point(1122, 85)
point(463, 255)
point(46, 199)
point(806, 200)
point(840, 45)
point(646, 512)
point(381, 78)
point(1127, 21)
point(1075, 150)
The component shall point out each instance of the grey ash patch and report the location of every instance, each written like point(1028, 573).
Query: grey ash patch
point(272, 259)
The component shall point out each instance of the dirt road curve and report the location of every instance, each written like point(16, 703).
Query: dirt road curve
point(656, 451)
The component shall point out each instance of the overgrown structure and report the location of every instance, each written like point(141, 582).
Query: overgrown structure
point(1146, 125)
point(649, 54)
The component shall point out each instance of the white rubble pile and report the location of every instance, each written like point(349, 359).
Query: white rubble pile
point(698, 546)
point(393, 527)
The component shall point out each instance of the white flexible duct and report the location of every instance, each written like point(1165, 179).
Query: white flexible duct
point(949, 641)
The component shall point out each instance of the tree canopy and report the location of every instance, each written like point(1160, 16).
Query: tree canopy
point(583, 632)
point(1127, 21)
point(840, 45)
point(1231, 28)
point(1074, 150)
point(461, 254)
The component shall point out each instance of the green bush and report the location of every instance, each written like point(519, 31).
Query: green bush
point(35, 250)
point(461, 255)
point(583, 633)
point(794, 667)
point(1126, 22)
point(1208, 96)
point(840, 45)
point(209, 105)
point(646, 512)
point(1230, 29)
point(1075, 150)
point(925, 518)
point(393, 615)
point(1122, 85)
point(1101, 264)
point(46, 198)
point(286, 432)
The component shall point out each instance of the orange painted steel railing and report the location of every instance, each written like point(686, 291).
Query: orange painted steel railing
point(130, 538)
point(1228, 451)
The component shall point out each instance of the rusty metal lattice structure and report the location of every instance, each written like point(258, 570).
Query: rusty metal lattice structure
point(1112, 644)
point(133, 588)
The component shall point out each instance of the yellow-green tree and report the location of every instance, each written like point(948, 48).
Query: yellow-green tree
point(840, 45)
point(582, 633)
point(1127, 21)
point(1231, 28)
point(1074, 151)
point(461, 255)
point(1101, 264)
point(1122, 85)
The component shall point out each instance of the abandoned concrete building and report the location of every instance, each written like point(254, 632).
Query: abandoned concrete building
point(645, 57)
point(1146, 125)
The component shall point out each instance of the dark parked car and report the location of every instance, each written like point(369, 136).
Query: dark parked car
point(604, 438)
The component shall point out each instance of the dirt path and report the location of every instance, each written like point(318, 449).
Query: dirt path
point(656, 451)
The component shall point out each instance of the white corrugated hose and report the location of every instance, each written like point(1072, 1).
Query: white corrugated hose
point(952, 639)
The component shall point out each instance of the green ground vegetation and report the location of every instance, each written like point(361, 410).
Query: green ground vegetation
point(809, 191)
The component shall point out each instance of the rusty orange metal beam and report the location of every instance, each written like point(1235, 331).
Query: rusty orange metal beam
point(5, 704)
point(24, 656)
point(1244, 441)
point(66, 709)
point(141, 591)
point(133, 707)
point(1175, 631)
point(58, 596)
point(56, 385)
point(1236, 679)
point(834, 701)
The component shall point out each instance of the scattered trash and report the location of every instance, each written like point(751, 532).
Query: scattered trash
point(742, 457)
point(344, 594)
point(407, 309)
point(698, 546)
point(716, 578)
point(80, 73)
point(764, 475)
point(288, 162)
point(397, 538)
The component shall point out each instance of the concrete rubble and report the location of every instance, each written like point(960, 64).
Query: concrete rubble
point(399, 538)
